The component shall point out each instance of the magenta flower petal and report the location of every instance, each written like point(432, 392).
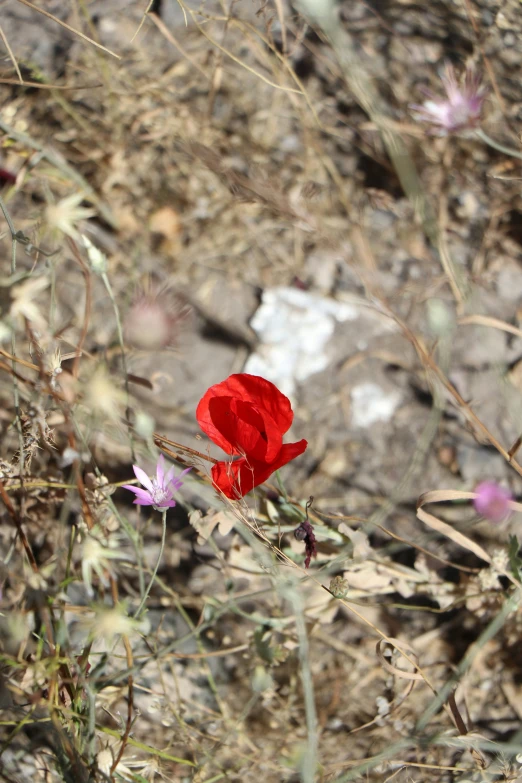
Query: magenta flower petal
point(160, 471)
point(177, 482)
point(141, 494)
point(169, 476)
point(131, 488)
point(143, 478)
point(492, 501)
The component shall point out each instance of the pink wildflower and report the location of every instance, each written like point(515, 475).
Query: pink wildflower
point(461, 109)
point(492, 501)
point(159, 491)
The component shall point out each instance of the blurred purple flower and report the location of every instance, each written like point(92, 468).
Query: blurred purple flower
point(492, 501)
point(461, 109)
point(159, 491)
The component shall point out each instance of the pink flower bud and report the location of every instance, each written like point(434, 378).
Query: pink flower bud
point(492, 501)
point(153, 319)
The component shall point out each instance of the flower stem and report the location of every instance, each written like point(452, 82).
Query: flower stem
point(153, 577)
point(16, 392)
point(496, 146)
point(119, 330)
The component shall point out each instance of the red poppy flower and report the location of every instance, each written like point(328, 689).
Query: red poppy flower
point(247, 416)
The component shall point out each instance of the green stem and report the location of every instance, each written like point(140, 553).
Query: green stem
point(119, 330)
point(160, 556)
point(496, 146)
point(16, 394)
point(147, 748)
point(473, 650)
point(309, 761)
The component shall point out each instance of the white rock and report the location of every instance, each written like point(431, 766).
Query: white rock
point(294, 328)
point(370, 403)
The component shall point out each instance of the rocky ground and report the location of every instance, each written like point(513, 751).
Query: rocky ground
point(234, 172)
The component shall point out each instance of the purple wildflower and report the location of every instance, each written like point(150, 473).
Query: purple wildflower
point(159, 491)
point(462, 107)
point(492, 501)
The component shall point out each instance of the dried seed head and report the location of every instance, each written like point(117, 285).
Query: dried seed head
point(106, 624)
point(64, 215)
point(105, 761)
point(24, 307)
point(97, 552)
point(102, 396)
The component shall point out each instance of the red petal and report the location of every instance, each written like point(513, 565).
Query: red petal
point(264, 395)
point(236, 479)
point(249, 388)
point(240, 424)
point(250, 433)
point(207, 425)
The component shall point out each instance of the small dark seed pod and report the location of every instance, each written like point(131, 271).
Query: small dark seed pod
point(300, 533)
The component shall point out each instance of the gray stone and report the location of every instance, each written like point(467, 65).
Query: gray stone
point(35, 39)
point(477, 464)
point(509, 281)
